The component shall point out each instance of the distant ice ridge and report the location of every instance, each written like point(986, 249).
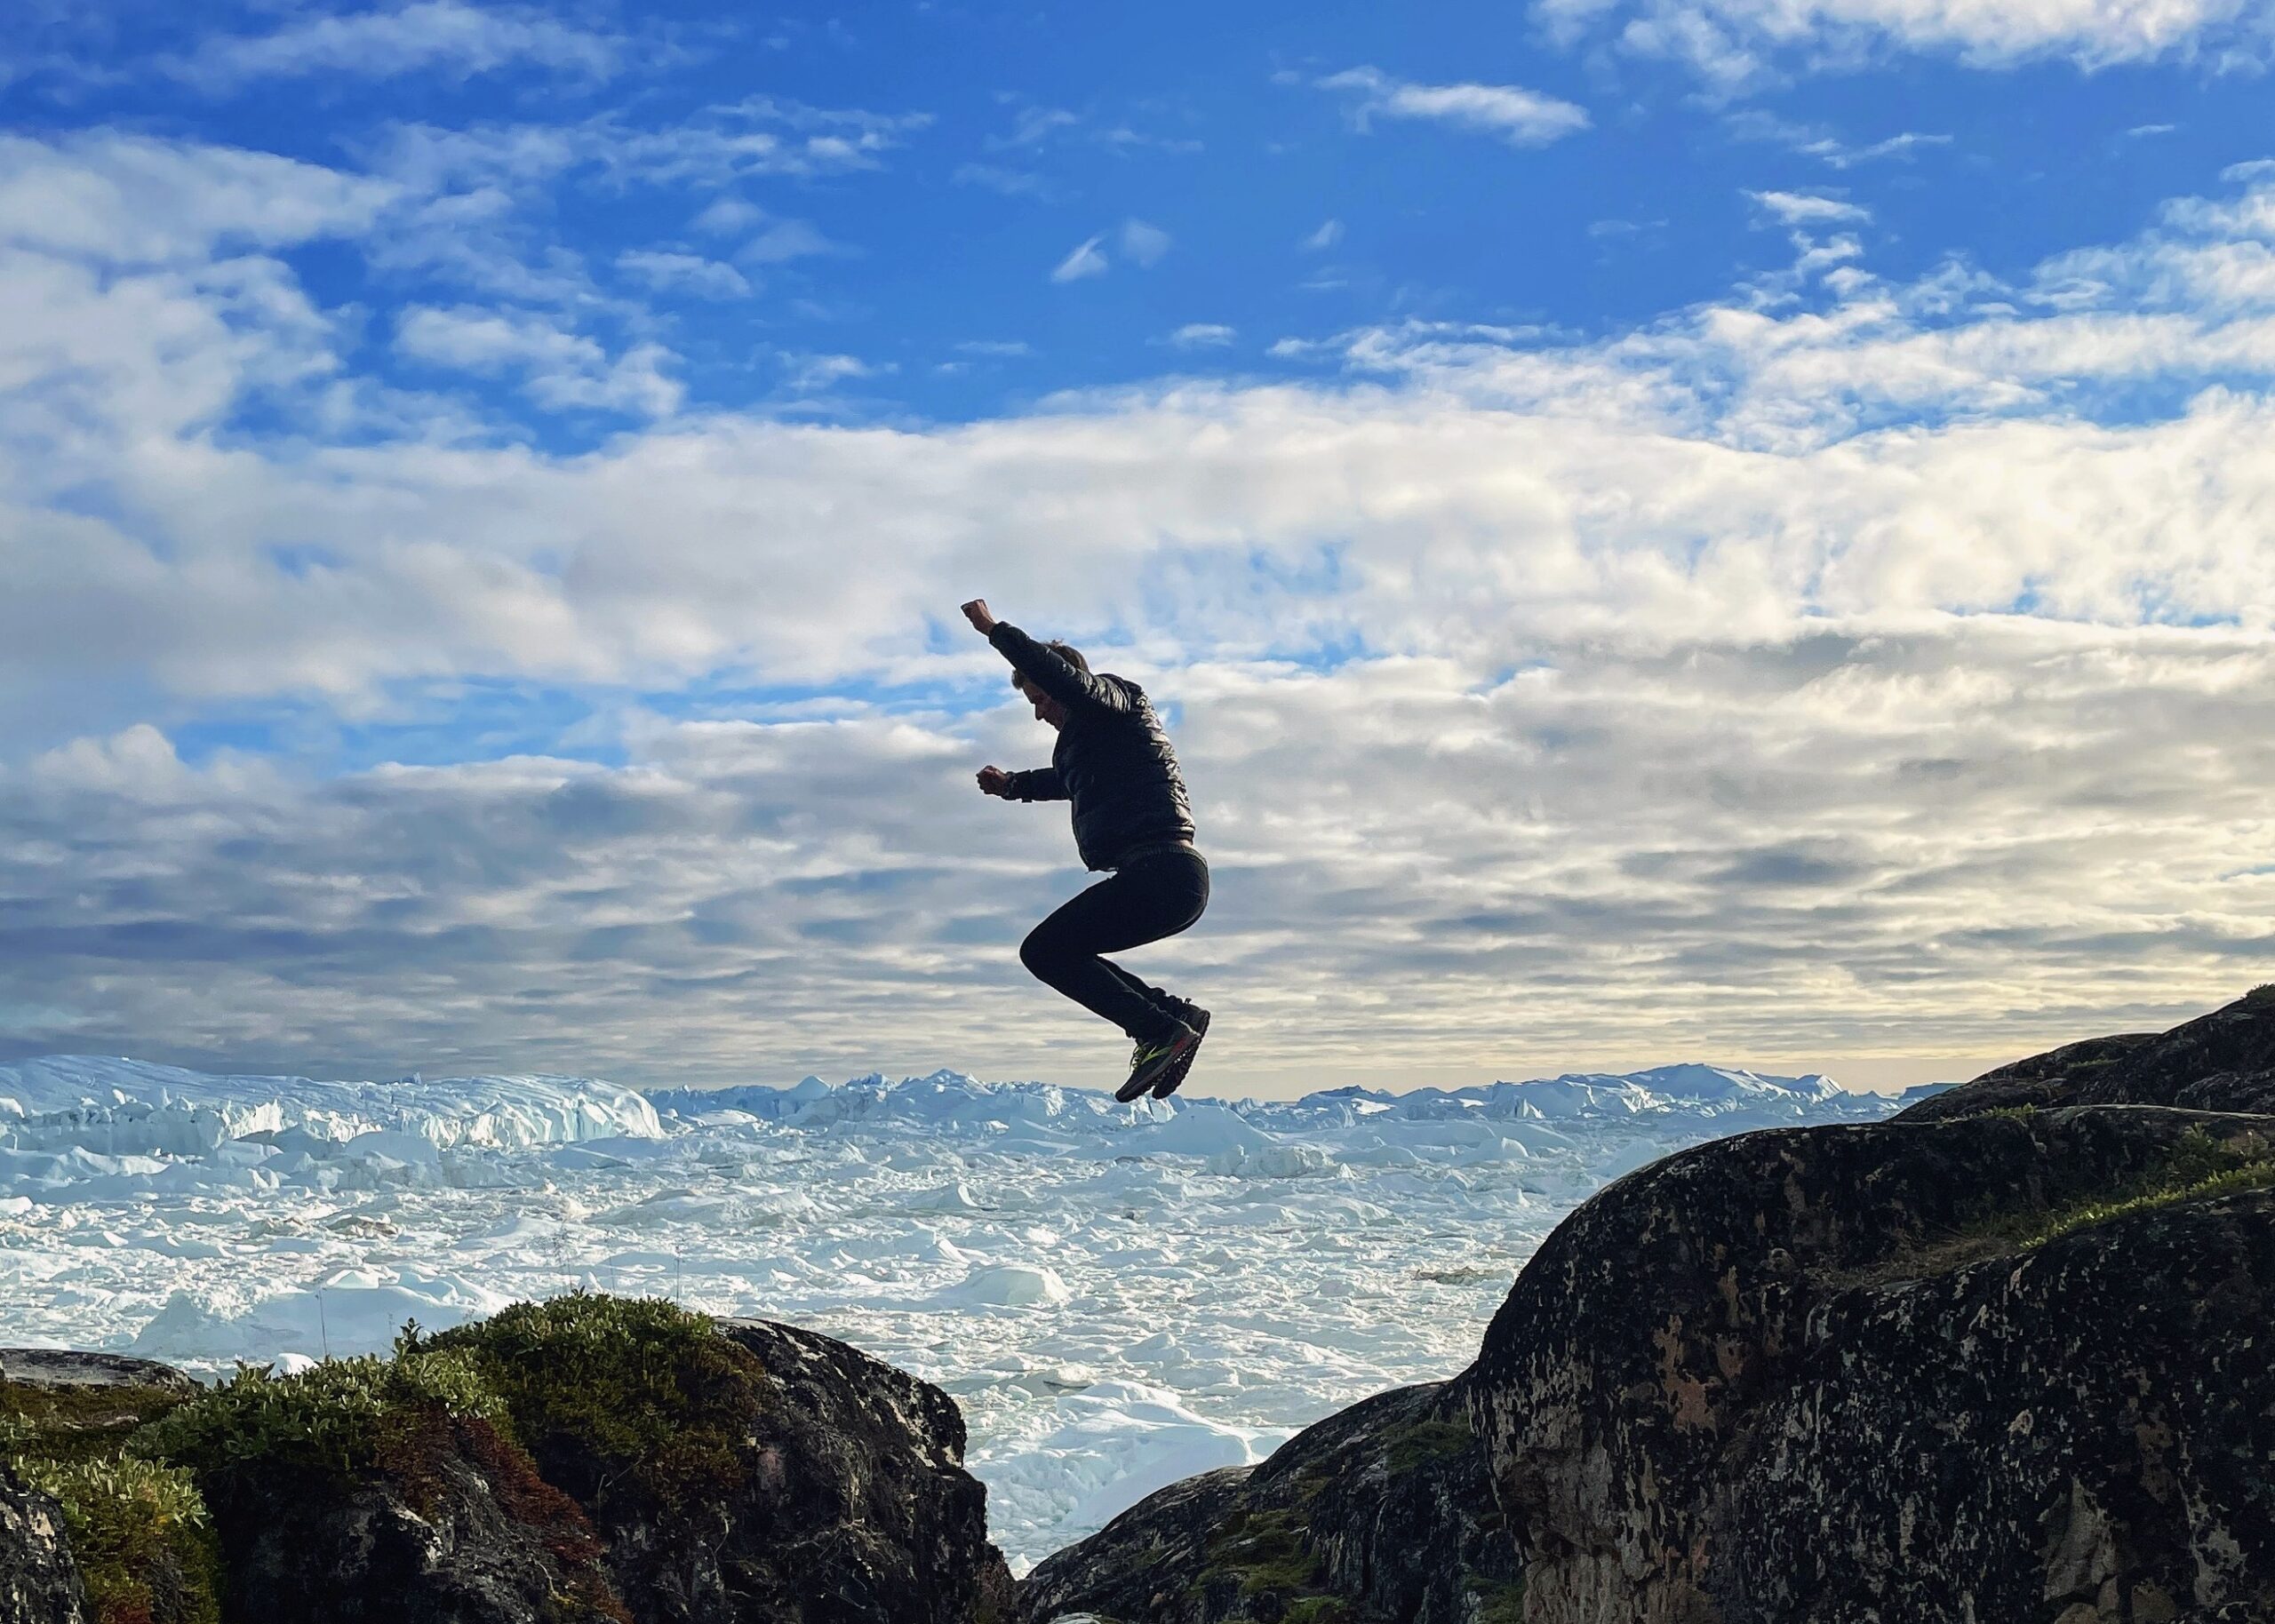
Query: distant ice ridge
point(132, 1107)
point(1116, 1295)
point(951, 1099)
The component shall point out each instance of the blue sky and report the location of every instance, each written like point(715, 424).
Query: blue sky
point(1672, 530)
point(1237, 193)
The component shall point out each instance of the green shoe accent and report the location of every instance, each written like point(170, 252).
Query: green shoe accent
point(1173, 1075)
point(1150, 1060)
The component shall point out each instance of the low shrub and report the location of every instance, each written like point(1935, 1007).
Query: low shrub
point(617, 1394)
point(334, 1418)
point(141, 1535)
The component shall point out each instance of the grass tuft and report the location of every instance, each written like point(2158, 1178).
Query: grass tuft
point(2195, 1166)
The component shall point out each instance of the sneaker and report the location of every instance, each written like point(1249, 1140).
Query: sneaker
point(1150, 1060)
point(1169, 1081)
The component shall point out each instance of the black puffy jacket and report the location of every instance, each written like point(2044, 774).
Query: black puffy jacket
point(1113, 761)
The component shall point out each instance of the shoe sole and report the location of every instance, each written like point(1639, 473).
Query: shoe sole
point(1182, 1067)
point(1141, 1081)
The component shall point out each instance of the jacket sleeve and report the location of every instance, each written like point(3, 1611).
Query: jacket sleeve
point(1073, 686)
point(1037, 783)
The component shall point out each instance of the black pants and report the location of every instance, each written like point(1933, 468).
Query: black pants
point(1155, 897)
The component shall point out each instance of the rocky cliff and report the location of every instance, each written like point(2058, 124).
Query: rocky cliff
point(587, 1459)
point(1381, 1512)
point(2001, 1359)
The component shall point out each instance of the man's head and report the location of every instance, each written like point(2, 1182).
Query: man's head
point(1046, 708)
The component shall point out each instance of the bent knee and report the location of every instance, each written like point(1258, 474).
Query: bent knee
point(1039, 953)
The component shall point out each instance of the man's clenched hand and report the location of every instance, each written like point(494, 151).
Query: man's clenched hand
point(976, 612)
point(994, 780)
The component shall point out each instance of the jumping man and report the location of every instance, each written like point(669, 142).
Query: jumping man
point(1114, 762)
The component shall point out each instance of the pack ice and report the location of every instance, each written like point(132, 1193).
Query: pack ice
point(1118, 1296)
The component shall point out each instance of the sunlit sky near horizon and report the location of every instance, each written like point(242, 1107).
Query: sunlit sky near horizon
point(1665, 529)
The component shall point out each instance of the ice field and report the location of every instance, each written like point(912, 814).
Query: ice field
point(1118, 1296)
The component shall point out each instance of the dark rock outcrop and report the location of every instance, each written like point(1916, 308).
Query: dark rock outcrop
point(1999, 1360)
point(2224, 1061)
point(1956, 1366)
point(58, 1369)
point(591, 1459)
point(1381, 1513)
point(39, 1583)
point(455, 1529)
point(855, 1505)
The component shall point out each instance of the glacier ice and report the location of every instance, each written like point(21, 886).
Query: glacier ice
point(1117, 1295)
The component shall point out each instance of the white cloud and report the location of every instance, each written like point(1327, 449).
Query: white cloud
point(1735, 43)
point(441, 37)
point(134, 199)
point(1202, 335)
point(812, 374)
point(1123, 139)
point(561, 371)
point(778, 241)
point(1329, 233)
point(727, 217)
point(1816, 141)
point(786, 240)
point(1144, 244)
point(1032, 126)
point(665, 271)
point(1086, 259)
point(1522, 117)
point(718, 146)
point(1808, 209)
point(994, 177)
point(1841, 156)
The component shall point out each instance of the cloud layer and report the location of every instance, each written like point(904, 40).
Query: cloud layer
point(1838, 667)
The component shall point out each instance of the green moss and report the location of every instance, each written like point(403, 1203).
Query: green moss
point(1261, 1551)
point(2012, 1113)
point(2261, 997)
point(2254, 1175)
point(1493, 1602)
point(141, 1536)
point(1319, 1610)
point(613, 1394)
point(1425, 1444)
point(2195, 1166)
point(77, 1423)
